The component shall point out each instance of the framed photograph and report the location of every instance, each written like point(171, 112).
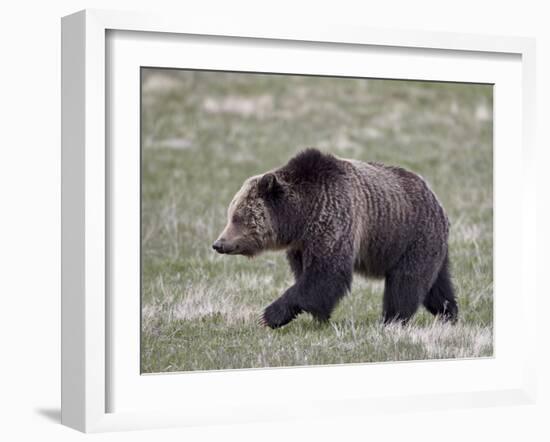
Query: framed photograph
point(262, 222)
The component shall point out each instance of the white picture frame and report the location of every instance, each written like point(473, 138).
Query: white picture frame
point(87, 311)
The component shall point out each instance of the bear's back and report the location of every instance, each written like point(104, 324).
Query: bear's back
point(392, 208)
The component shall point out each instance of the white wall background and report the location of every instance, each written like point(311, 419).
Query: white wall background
point(30, 214)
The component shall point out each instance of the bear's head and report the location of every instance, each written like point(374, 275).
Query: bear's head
point(251, 217)
point(272, 211)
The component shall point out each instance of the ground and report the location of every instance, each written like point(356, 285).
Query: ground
point(204, 133)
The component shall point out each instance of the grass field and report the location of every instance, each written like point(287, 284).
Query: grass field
point(204, 133)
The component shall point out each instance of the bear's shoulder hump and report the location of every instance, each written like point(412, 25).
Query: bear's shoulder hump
point(312, 164)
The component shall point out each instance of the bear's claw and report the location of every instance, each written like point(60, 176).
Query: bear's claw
point(261, 321)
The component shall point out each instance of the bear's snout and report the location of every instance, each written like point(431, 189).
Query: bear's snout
point(218, 246)
point(223, 246)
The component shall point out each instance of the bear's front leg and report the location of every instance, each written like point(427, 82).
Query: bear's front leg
point(280, 312)
point(318, 289)
point(294, 258)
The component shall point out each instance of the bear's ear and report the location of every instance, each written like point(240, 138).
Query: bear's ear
point(268, 186)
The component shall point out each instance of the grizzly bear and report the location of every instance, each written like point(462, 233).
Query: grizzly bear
point(335, 216)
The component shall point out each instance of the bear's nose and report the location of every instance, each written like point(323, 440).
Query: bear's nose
point(218, 246)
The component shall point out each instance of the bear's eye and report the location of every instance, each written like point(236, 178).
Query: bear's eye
point(237, 219)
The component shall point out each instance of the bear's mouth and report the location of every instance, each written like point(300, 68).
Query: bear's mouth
point(238, 251)
point(242, 252)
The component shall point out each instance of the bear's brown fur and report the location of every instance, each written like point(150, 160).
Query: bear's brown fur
point(335, 216)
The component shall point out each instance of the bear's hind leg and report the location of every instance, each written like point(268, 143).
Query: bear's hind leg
point(440, 300)
point(401, 298)
point(405, 288)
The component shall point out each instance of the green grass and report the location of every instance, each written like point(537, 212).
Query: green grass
point(204, 133)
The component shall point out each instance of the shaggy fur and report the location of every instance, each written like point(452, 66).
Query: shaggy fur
point(335, 217)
